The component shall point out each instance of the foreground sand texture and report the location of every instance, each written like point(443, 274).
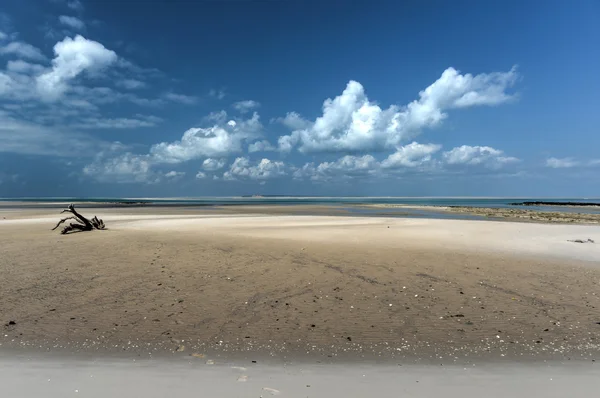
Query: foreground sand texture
point(61, 377)
point(194, 281)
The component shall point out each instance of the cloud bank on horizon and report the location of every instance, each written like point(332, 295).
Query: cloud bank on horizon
point(65, 103)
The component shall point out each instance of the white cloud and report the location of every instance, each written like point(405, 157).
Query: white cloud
point(175, 175)
point(195, 143)
point(138, 70)
point(562, 163)
point(411, 155)
point(75, 5)
point(22, 50)
point(294, 121)
point(477, 155)
point(211, 164)
point(245, 106)
point(219, 117)
point(218, 94)
point(261, 146)
point(71, 22)
point(106, 95)
point(306, 171)
point(200, 175)
point(218, 140)
point(3, 35)
point(343, 168)
point(73, 56)
point(265, 169)
point(131, 84)
point(24, 137)
point(594, 162)
point(23, 67)
point(118, 123)
point(126, 168)
point(183, 99)
point(351, 122)
point(350, 163)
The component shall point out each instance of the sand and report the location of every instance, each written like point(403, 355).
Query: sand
point(262, 285)
point(37, 376)
point(512, 214)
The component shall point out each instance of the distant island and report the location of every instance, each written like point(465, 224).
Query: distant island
point(541, 203)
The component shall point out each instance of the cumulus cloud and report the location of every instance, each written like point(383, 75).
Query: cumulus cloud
point(126, 168)
point(215, 141)
point(181, 98)
point(562, 163)
point(261, 146)
point(242, 168)
point(294, 121)
point(201, 175)
point(411, 155)
point(346, 167)
point(175, 175)
point(131, 84)
point(245, 106)
point(477, 155)
point(22, 50)
point(72, 57)
point(71, 22)
point(23, 67)
point(211, 164)
point(351, 122)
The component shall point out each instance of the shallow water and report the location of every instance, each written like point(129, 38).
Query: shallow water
point(411, 213)
point(337, 201)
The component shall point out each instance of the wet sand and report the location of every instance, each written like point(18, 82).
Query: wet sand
point(64, 377)
point(526, 215)
point(267, 285)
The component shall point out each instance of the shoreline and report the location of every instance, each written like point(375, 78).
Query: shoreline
point(510, 214)
point(411, 211)
point(556, 204)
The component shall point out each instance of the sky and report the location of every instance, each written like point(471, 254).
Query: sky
point(157, 98)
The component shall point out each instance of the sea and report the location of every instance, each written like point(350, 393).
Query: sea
point(340, 202)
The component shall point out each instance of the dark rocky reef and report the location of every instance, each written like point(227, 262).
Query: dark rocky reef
point(542, 203)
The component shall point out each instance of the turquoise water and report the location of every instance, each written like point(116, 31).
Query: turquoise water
point(337, 201)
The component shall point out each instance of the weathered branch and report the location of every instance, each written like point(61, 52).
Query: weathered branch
point(62, 221)
point(72, 227)
point(83, 224)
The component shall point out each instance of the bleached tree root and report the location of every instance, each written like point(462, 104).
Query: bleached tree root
point(81, 224)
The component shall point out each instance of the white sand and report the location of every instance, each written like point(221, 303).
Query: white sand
point(550, 240)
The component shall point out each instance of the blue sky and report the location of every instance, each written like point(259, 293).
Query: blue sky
point(415, 98)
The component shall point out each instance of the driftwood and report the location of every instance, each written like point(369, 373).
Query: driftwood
point(81, 224)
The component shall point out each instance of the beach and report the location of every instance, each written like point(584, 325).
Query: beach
point(36, 376)
point(253, 282)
